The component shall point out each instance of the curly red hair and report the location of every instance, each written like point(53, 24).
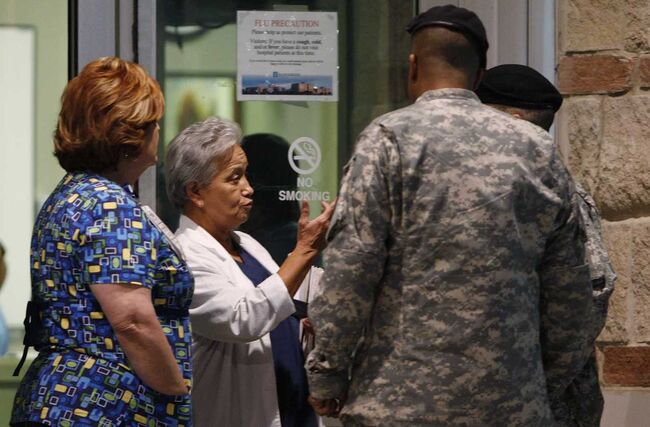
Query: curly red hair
point(105, 113)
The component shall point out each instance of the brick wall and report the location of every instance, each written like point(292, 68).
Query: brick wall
point(604, 127)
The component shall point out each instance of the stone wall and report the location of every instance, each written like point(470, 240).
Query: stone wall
point(604, 128)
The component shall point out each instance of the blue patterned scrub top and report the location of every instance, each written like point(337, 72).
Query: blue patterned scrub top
point(92, 231)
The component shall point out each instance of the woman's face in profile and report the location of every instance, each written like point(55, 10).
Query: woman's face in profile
point(228, 198)
point(149, 154)
point(150, 149)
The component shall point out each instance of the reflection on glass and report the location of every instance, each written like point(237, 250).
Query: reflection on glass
point(199, 81)
point(199, 72)
point(273, 222)
point(191, 99)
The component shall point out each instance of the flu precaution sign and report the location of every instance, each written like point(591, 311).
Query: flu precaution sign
point(287, 56)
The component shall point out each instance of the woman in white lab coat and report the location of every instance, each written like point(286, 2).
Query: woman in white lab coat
point(241, 297)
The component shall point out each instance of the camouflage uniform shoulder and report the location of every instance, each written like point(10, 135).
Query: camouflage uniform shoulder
point(452, 107)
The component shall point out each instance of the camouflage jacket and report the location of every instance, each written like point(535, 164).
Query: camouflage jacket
point(600, 268)
point(452, 253)
point(582, 402)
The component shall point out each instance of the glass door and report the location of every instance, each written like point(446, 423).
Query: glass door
point(299, 131)
point(200, 78)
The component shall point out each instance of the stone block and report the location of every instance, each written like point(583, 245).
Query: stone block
point(596, 25)
point(640, 296)
point(618, 241)
point(581, 128)
point(624, 161)
point(626, 366)
point(594, 74)
point(644, 71)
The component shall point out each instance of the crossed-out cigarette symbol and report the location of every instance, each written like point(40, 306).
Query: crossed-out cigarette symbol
point(304, 151)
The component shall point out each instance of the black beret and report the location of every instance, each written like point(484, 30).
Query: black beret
point(456, 19)
point(518, 86)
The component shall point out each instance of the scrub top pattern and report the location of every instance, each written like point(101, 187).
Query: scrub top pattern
point(92, 231)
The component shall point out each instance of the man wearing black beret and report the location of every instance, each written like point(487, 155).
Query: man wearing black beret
point(521, 91)
point(525, 93)
point(453, 292)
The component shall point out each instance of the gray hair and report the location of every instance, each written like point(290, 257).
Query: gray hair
point(194, 154)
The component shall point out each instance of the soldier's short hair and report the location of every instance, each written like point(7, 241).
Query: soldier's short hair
point(458, 19)
point(451, 47)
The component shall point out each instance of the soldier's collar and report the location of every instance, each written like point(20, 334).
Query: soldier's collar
point(448, 93)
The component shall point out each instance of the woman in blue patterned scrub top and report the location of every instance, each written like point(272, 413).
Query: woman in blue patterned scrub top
point(110, 291)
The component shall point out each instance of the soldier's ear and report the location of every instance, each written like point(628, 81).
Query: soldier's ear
point(413, 68)
point(479, 76)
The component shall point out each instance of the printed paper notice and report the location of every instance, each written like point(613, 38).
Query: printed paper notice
point(287, 56)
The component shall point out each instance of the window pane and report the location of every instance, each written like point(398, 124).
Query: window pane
point(200, 73)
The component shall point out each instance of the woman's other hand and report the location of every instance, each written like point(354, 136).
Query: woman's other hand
point(326, 407)
point(307, 326)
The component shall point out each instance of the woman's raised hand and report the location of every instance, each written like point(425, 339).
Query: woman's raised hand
point(311, 234)
point(311, 240)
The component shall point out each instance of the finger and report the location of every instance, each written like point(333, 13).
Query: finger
point(333, 408)
point(325, 407)
point(321, 410)
point(328, 409)
point(304, 212)
point(316, 404)
point(335, 201)
point(327, 210)
point(323, 206)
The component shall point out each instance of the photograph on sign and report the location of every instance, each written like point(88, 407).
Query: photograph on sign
point(287, 56)
point(283, 86)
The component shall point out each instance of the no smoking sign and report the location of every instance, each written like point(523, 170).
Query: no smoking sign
point(304, 155)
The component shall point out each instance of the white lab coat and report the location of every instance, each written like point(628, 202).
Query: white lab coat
point(234, 378)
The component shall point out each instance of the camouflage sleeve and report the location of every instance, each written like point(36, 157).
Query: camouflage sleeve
point(600, 268)
point(565, 292)
point(354, 262)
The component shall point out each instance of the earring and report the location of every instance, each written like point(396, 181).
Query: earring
point(199, 204)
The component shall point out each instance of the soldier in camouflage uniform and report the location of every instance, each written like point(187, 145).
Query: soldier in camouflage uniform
point(521, 91)
point(454, 292)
